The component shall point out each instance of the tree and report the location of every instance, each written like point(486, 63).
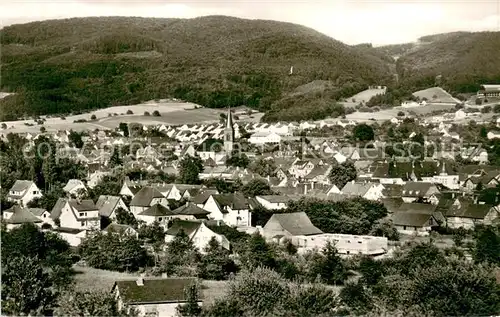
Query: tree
point(258, 253)
point(4, 126)
point(124, 128)
point(109, 185)
point(146, 113)
point(363, 132)
point(237, 159)
point(156, 113)
point(263, 167)
point(49, 198)
point(182, 258)
point(190, 169)
point(152, 233)
point(130, 111)
point(329, 266)
point(256, 187)
point(191, 308)
point(341, 174)
point(42, 129)
point(75, 139)
point(125, 217)
point(26, 287)
point(216, 264)
point(88, 303)
point(93, 117)
point(487, 245)
point(401, 114)
point(385, 228)
point(115, 159)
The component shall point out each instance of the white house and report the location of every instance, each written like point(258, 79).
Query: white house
point(145, 198)
point(370, 191)
point(23, 191)
point(493, 135)
point(265, 138)
point(275, 202)
point(233, 209)
point(295, 227)
point(349, 244)
point(198, 232)
point(107, 206)
point(76, 214)
point(74, 187)
point(156, 213)
point(17, 215)
point(153, 296)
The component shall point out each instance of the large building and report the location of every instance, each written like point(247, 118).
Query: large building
point(489, 91)
point(229, 133)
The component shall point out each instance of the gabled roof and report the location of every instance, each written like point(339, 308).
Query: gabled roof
point(20, 215)
point(416, 189)
point(115, 227)
point(356, 189)
point(410, 219)
point(72, 183)
point(280, 198)
point(185, 225)
point(236, 201)
point(297, 223)
point(106, 204)
point(154, 290)
point(144, 197)
point(157, 210)
point(21, 185)
point(190, 209)
point(83, 205)
point(202, 197)
point(392, 204)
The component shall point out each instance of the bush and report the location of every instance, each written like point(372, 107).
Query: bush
point(62, 117)
point(80, 121)
point(146, 113)
point(93, 117)
point(156, 113)
point(130, 112)
point(401, 114)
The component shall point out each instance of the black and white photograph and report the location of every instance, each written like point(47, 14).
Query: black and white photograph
point(281, 158)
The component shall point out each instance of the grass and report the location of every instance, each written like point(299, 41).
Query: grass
point(441, 95)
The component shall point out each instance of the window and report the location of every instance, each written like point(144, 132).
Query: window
point(81, 214)
point(83, 223)
point(35, 192)
point(404, 227)
point(348, 241)
point(360, 241)
point(159, 218)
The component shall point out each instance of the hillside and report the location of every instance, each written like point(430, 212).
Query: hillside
point(463, 59)
point(72, 65)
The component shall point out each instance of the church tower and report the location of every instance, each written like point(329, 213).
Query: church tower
point(229, 133)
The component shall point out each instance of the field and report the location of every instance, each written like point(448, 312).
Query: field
point(441, 95)
point(172, 113)
point(387, 114)
point(101, 280)
point(363, 96)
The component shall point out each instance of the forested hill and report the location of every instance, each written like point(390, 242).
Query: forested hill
point(464, 60)
point(63, 66)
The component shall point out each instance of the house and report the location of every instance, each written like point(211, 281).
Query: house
point(233, 209)
point(18, 215)
point(414, 223)
point(493, 135)
point(413, 191)
point(462, 212)
point(23, 191)
point(370, 191)
point(276, 202)
point(42, 214)
point(190, 211)
point(145, 198)
point(76, 214)
point(121, 229)
point(183, 191)
point(152, 296)
point(74, 188)
point(489, 91)
point(198, 232)
point(264, 138)
point(107, 206)
point(295, 227)
point(156, 213)
point(129, 188)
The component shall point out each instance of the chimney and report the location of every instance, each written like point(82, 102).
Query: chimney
point(140, 281)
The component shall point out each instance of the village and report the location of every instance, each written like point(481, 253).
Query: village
point(214, 181)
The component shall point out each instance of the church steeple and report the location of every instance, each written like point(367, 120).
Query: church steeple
point(229, 133)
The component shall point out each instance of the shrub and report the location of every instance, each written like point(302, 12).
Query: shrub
point(401, 114)
point(156, 113)
point(146, 113)
point(130, 112)
point(93, 117)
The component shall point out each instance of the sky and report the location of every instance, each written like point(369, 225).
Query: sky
point(349, 21)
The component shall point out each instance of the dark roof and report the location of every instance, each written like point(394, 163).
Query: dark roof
point(392, 190)
point(154, 290)
point(416, 189)
point(83, 205)
point(404, 169)
point(144, 197)
point(21, 215)
point(57, 209)
point(115, 227)
point(157, 210)
point(190, 209)
point(185, 225)
point(202, 197)
point(392, 204)
point(236, 201)
point(410, 219)
point(21, 185)
point(296, 223)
